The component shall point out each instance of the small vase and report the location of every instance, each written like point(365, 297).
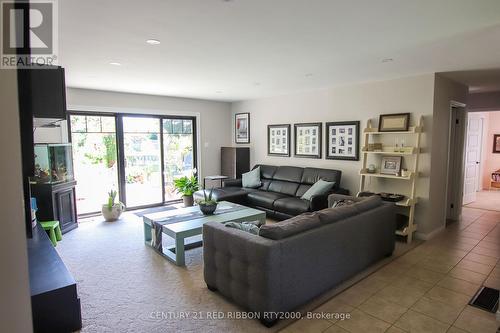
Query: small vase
point(188, 200)
point(208, 209)
point(114, 213)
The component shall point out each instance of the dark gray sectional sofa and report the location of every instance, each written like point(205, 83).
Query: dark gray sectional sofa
point(282, 187)
point(293, 261)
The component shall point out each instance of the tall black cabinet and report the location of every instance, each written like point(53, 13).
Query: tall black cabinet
point(235, 161)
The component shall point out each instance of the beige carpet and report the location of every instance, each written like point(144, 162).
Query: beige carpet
point(489, 200)
point(124, 286)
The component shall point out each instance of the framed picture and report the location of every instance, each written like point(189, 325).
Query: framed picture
point(278, 140)
point(342, 140)
point(242, 128)
point(391, 165)
point(496, 143)
point(395, 122)
point(307, 140)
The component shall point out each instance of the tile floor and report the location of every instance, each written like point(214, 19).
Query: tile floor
point(427, 289)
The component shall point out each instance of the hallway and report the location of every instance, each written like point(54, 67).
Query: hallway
point(488, 200)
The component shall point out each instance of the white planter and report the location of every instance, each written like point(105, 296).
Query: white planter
point(114, 213)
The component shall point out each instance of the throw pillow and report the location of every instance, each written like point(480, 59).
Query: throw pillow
point(251, 179)
point(245, 226)
point(320, 187)
point(342, 202)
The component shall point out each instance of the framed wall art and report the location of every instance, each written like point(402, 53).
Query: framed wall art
point(307, 140)
point(242, 128)
point(278, 140)
point(395, 122)
point(496, 143)
point(342, 140)
point(391, 165)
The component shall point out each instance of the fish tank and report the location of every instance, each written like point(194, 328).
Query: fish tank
point(53, 163)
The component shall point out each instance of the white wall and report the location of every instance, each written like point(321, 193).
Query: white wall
point(213, 117)
point(354, 102)
point(15, 314)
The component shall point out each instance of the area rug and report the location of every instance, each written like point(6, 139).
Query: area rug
point(124, 286)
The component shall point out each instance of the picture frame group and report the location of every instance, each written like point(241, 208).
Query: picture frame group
point(341, 139)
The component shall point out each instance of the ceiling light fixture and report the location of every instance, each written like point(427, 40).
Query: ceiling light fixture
point(114, 63)
point(387, 60)
point(153, 41)
point(309, 75)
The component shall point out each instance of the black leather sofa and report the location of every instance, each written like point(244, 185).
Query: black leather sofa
point(280, 192)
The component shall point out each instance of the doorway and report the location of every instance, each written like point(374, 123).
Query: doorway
point(482, 165)
point(137, 155)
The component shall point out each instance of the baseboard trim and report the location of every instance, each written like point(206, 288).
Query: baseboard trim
point(430, 235)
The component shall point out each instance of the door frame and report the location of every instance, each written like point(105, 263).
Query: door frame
point(456, 157)
point(121, 152)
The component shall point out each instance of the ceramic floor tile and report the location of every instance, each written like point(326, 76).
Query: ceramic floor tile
point(476, 321)
point(492, 282)
point(459, 286)
point(475, 267)
point(437, 310)
point(467, 275)
point(489, 245)
point(454, 329)
point(405, 297)
point(334, 306)
point(425, 274)
point(481, 258)
point(394, 329)
point(415, 322)
point(307, 325)
point(363, 322)
point(448, 297)
point(335, 329)
point(412, 283)
point(373, 284)
point(383, 309)
point(487, 252)
point(353, 296)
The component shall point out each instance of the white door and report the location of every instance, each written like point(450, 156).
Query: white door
point(472, 158)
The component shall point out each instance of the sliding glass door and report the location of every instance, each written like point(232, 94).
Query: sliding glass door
point(142, 155)
point(95, 160)
point(178, 149)
point(137, 155)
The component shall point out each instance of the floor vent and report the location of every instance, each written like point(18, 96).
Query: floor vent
point(486, 299)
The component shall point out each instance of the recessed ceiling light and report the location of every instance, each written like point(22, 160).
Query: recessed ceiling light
point(256, 83)
point(309, 75)
point(114, 63)
point(387, 60)
point(153, 41)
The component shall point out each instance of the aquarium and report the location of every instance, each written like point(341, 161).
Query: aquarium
point(53, 163)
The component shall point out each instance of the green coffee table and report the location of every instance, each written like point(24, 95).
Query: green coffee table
point(182, 223)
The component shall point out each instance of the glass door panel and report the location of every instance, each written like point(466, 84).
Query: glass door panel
point(142, 156)
point(178, 150)
point(94, 159)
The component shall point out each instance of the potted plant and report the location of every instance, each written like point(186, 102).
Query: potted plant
point(187, 186)
point(207, 205)
point(112, 211)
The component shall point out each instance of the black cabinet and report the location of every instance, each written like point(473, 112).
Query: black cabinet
point(235, 161)
point(56, 202)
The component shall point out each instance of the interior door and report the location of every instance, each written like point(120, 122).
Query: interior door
point(472, 158)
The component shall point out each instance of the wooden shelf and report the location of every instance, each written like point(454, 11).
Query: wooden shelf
point(408, 202)
point(364, 172)
point(390, 151)
point(411, 130)
point(407, 230)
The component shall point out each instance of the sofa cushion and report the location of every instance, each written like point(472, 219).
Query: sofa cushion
point(320, 187)
point(280, 186)
point(244, 226)
point(302, 189)
point(289, 174)
point(266, 171)
point(251, 179)
point(291, 206)
point(264, 199)
point(290, 227)
point(312, 175)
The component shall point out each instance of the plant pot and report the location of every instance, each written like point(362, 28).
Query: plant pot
point(208, 209)
point(114, 213)
point(188, 200)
